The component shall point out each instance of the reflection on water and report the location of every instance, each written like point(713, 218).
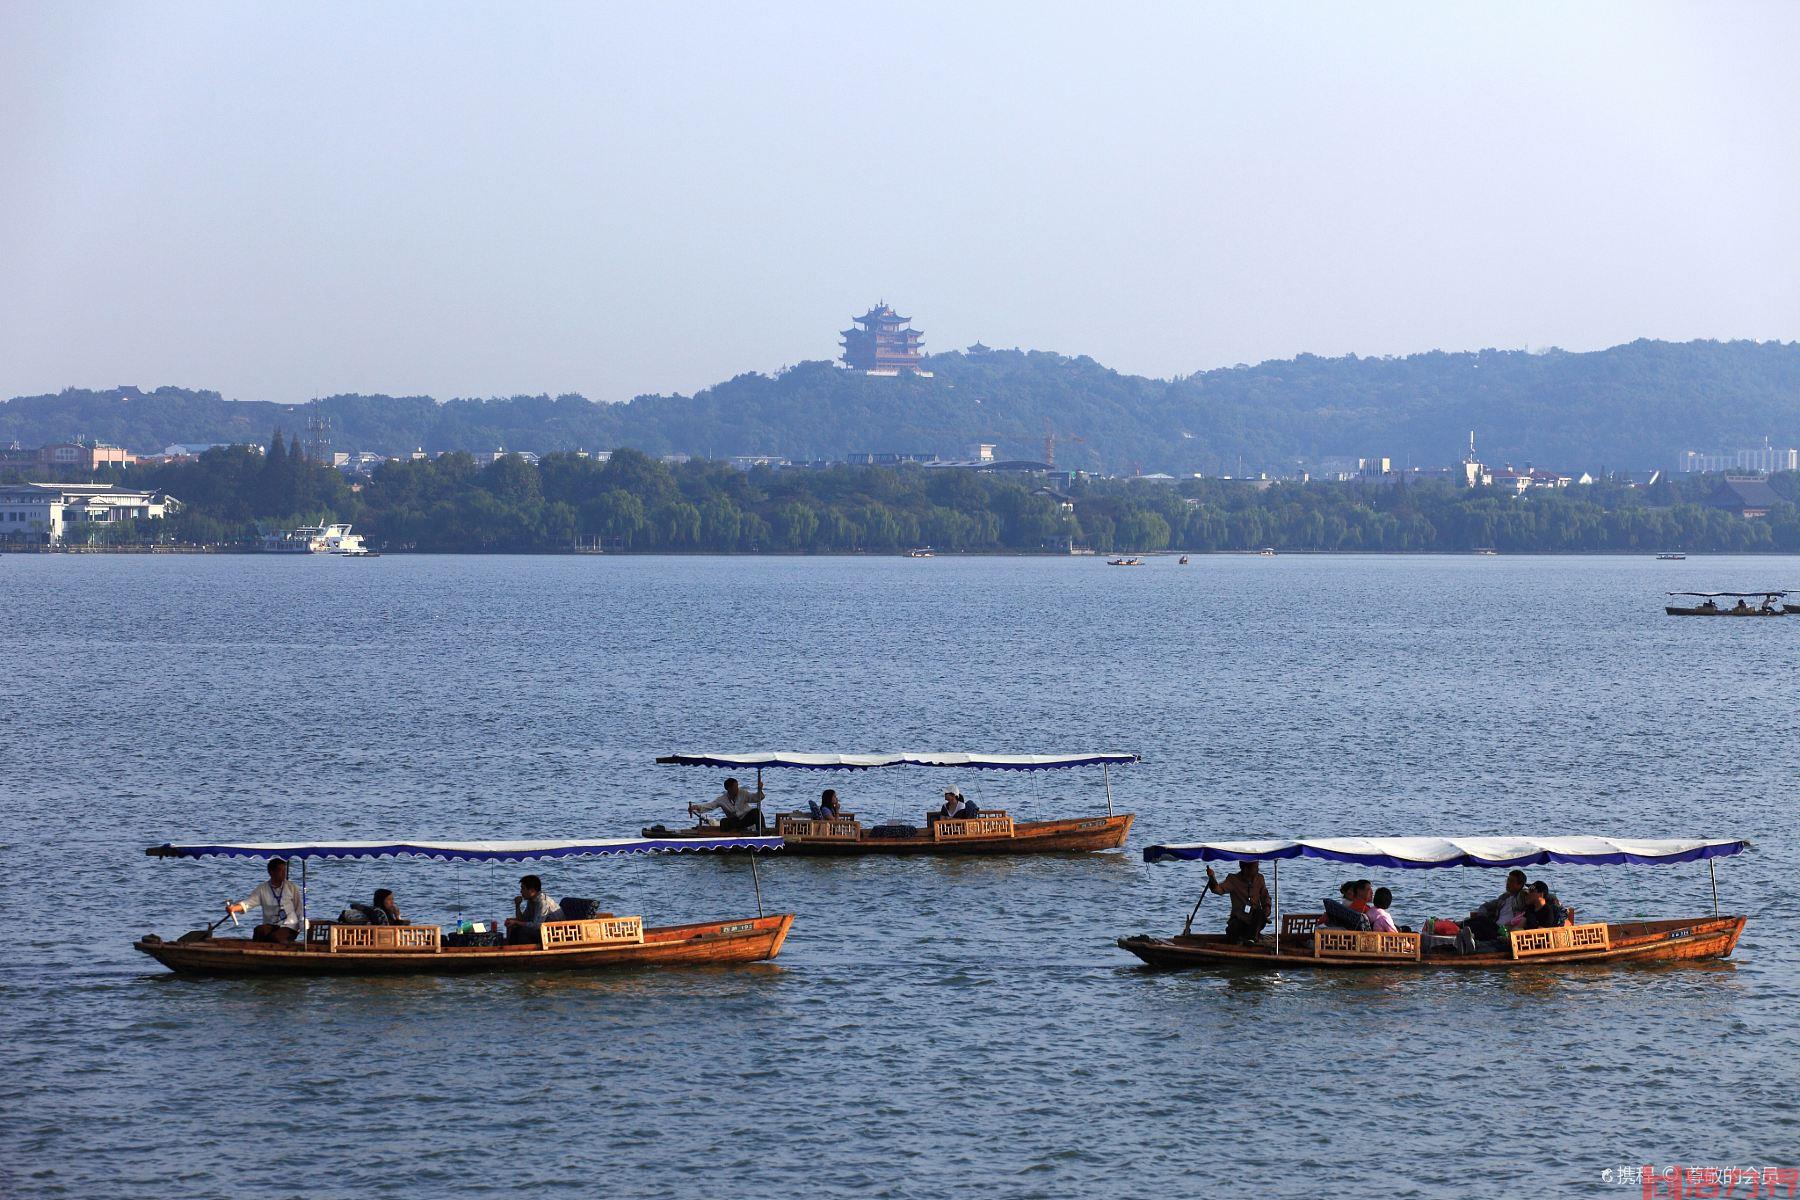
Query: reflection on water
point(933, 1026)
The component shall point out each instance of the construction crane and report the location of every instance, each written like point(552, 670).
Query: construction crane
point(1050, 442)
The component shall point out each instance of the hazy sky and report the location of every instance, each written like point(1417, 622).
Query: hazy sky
point(282, 201)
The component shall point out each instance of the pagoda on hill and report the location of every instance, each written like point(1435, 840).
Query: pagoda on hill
point(883, 344)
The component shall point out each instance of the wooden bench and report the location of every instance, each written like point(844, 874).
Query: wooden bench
point(425, 939)
point(990, 823)
point(600, 931)
point(1561, 939)
point(1353, 943)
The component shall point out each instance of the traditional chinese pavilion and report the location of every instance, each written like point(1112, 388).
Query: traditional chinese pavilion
point(882, 343)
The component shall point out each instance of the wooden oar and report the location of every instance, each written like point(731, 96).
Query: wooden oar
point(200, 935)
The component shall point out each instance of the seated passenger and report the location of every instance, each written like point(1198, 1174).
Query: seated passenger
point(531, 908)
point(382, 912)
point(1542, 909)
point(952, 806)
point(738, 809)
point(1249, 901)
point(826, 808)
point(1708, 605)
point(281, 903)
point(1379, 903)
point(1506, 909)
point(1741, 606)
point(970, 810)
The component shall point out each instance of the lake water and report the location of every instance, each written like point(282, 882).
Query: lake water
point(932, 1027)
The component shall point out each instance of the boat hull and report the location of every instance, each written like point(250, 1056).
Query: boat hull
point(1679, 940)
point(709, 943)
point(1676, 611)
point(1075, 835)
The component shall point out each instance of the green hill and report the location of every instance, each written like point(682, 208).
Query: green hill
point(1636, 405)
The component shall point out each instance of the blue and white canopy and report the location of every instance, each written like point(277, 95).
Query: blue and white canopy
point(1424, 853)
point(462, 851)
point(866, 762)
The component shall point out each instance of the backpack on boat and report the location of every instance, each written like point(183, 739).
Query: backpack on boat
point(574, 908)
point(1339, 915)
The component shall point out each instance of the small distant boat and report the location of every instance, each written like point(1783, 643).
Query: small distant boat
point(1182, 562)
point(1709, 605)
point(1267, 552)
point(1486, 551)
point(921, 552)
point(1673, 556)
point(1124, 562)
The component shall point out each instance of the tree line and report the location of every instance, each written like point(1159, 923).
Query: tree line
point(632, 502)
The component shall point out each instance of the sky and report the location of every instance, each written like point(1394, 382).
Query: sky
point(285, 201)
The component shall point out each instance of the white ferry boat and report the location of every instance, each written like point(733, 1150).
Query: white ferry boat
point(317, 539)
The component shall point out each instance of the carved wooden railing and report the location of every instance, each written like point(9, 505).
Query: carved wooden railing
point(389, 938)
point(803, 828)
point(1352, 943)
point(1300, 924)
point(601, 931)
point(1561, 939)
point(991, 823)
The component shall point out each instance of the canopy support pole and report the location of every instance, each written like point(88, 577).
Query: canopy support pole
point(1278, 908)
point(1106, 778)
point(1713, 874)
point(756, 881)
point(306, 925)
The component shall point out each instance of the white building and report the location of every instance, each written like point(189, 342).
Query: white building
point(43, 513)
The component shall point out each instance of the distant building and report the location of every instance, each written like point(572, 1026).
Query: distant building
point(44, 513)
point(68, 456)
point(1764, 458)
point(882, 342)
point(1749, 496)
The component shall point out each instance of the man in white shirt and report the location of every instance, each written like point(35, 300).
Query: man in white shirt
point(739, 809)
point(282, 916)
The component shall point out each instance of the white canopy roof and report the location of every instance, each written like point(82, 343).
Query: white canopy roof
point(865, 762)
point(1418, 853)
point(462, 851)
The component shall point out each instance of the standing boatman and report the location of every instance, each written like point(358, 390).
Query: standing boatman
point(1249, 901)
point(283, 916)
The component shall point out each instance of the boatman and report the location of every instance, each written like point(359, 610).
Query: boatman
point(282, 916)
point(1249, 901)
point(739, 809)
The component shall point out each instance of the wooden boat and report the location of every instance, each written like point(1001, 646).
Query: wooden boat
point(1626, 942)
point(602, 941)
point(1182, 561)
point(1671, 557)
point(1124, 562)
point(1711, 608)
point(1305, 942)
point(991, 831)
point(710, 943)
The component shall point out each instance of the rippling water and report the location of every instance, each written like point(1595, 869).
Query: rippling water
point(931, 1027)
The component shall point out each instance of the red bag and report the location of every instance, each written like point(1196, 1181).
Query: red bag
point(1444, 927)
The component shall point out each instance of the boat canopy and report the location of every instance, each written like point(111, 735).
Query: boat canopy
point(866, 762)
point(1422, 853)
point(462, 851)
point(1715, 595)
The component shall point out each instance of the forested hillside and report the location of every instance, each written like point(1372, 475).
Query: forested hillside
point(1631, 406)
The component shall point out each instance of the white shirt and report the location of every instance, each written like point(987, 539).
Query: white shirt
point(744, 802)
point(278, 907)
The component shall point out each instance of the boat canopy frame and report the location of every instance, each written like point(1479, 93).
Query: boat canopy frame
point(1716, 595)
point(485, 851)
